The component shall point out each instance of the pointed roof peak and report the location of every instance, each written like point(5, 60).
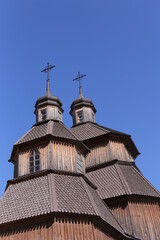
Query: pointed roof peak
point(48, 91)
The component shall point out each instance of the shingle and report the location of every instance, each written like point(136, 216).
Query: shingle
point(60, 130)
point(138, 184)
point(87, 130)
point(34, 133)
point(103, 210)
point(54, 128)
point(118, 180)
point(25, 199)
point(90, 130)
point(107, 181)
point(71, 195)
point(74, 195)
point(52, 193)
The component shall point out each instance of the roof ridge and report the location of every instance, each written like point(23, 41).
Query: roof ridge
point(68, 130)
point(134, 167)
point(112, 130)
point(101, 215)
point(81, 142)
point(109, 129)
point(123, 180)
point(52, 192)
point(90, 197)
point(98, 126)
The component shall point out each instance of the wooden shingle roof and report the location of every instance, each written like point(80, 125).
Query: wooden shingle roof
point(49, 193)
point(53, 128)
point(121, 179)
point(88, 130)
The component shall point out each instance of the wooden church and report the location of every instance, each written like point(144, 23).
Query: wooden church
point(78, 183)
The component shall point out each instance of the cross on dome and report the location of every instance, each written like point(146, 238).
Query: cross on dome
point(47, 70)
point(78, 78)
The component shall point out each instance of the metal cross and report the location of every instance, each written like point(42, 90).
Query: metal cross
point(47, 69)
point(78, 78)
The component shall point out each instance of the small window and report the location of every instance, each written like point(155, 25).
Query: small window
point(34, 161)
point(43, 114)
point(59, 115)
point(80, 116)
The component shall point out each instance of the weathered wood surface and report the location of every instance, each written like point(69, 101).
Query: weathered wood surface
point(101, 153)
point(140, 218)
point(24, 157)
point(54, 155)
point(63, 156)
point(59, 229)
point(66, 157)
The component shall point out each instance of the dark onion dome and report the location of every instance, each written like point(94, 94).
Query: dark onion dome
point(48, 99)
point(48, 107)
point(82, 101)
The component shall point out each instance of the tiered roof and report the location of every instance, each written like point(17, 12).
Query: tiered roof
point(58, 192)
point(88, 131)
point(49, 128)
point(121, 179)
point(48, 192)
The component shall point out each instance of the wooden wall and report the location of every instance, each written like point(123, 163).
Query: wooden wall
point(57, 229)
point(54, 155)
point(119, 151)
point(107, 151)
point(63, 156)
point(23, 159)
point(140, 218)
point(66, 156)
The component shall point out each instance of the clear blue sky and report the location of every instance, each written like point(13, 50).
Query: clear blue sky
point(115, 42)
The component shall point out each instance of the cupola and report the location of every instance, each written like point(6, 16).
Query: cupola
point(48, 107)
point(82, 109)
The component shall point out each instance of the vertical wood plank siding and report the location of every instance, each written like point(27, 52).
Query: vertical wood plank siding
point(59, 229)
point(23, 161)
point(16, 168)
point(100, 235)
point(101, 153)
point(55, 155)
point(119, 151)
point(139, 217)
point(63, 155)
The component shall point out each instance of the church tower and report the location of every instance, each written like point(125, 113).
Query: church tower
point(76, 183)
point(48, 144)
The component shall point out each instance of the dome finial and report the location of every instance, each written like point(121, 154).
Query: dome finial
point(78, 78)
point(46, 70)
